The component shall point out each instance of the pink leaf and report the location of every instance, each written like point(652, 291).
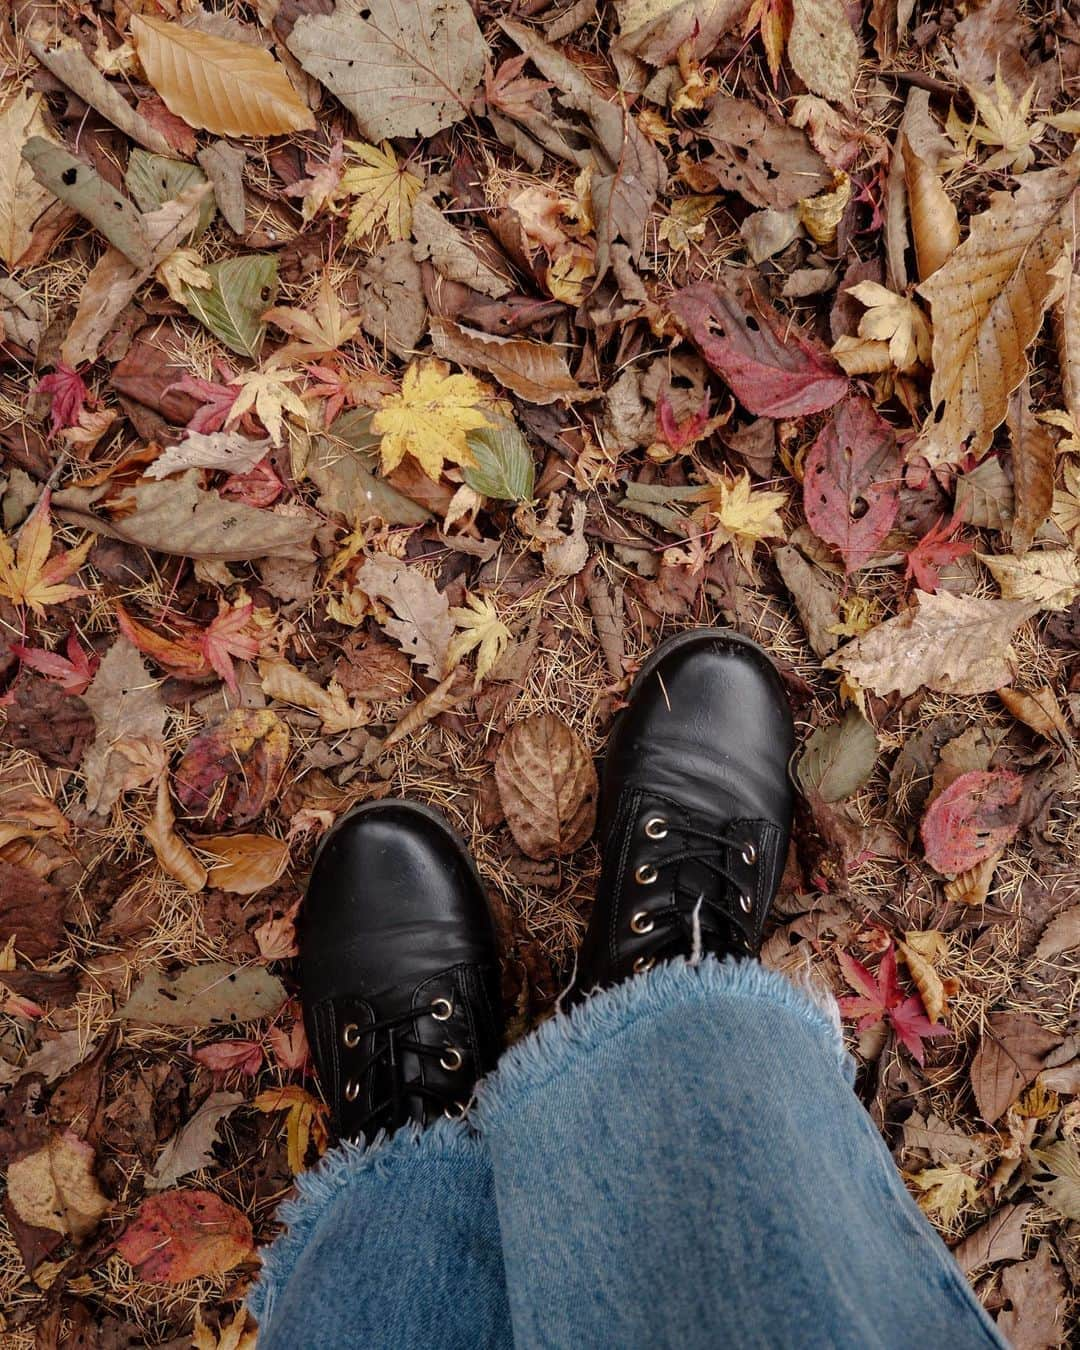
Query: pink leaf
point(226, 637)
point(885, 999)
point(227, 1056)
point(976, 815)
point(73, 673)
point(773, 370)
point(69, 396)
point(938, 547)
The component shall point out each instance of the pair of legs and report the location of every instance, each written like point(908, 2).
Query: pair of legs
point(678, 1160)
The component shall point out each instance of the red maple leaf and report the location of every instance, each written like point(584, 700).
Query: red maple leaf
point(69, 396)
point(73, 673)
point(259, 486)
point(937, 547)
point(882, 997)
point(216, 400)
point(228, 636)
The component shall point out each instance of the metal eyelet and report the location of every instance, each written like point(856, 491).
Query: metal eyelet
point(452, 1059)
point(643, 964)
point(745, 903)
point(351, 1036)
point(442, 1009)
point(749, 854)
point(646, 874)
point(641, 923)
point(656, 827)
point(352, 1090)
point(459, 1114)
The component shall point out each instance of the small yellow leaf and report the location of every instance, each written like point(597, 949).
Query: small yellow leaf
point(945, 1190)
point(229, 88)
point(739, 515)
point(821, 215)
point(28, 576)
point(267, 392)
point(183, 267)
point(481, 628)
point(896, 320)
point(385, 193)
point(430, 418)
point(306, 1120)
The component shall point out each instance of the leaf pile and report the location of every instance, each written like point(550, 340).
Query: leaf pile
point(378, 384)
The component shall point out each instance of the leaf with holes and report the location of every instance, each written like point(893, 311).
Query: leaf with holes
point(204, 995)
point(976, 815)
point(241, 290)
point(851, 481)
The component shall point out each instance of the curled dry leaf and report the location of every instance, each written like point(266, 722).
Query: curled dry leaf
point(281, 680)
point(172, 853)
point(547, 786)
point(229, 88)
point(184, 1235)
point(535, 371)
point(1040, 710)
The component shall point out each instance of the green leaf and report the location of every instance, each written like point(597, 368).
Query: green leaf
point(82, 188)
point(354, 429)
point(504, 466)
point(154, 180)
point(242, 290)
point(839, 759)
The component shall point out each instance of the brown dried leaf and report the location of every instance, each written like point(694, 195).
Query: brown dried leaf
point(1000, 1238)
point(1034, 463)
point(1034, 1291)
point(1012, 1051)
point(1040, 710)
point(822, 49)
point(423, 625)
point(935, 228)
point(535, 371)
point(655, 30)
point(547, 786)
point(191, 1147)
point(987, 303)
point(172, 853)
point(281, 680)
point(204, 995)
point(1061, 934)
point(55, 1187)
point(768, 163)
point(244, 863)
point(22, 197)
point(128, 712)
point(31, 913)
point(233, 767)
point(229, 88)
point(954, 644)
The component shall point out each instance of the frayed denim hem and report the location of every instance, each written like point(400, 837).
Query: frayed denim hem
point(558, 1044)
point(341, 1168)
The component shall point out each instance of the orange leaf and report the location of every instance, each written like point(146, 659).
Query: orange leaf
point(182, 1235)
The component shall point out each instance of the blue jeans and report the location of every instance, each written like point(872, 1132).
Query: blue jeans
point(679, 1162)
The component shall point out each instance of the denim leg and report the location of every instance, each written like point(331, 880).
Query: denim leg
point(392, 1247)
point(682, 1162)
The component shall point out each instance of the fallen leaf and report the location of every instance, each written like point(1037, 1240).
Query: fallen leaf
point(306, 1120)
point(453, 258)
point(772, 370)
point(1049, 578)
point(943, 1142)
point(936, 549)
point(1040, 710)
point(154, 180)
point(172, 853)
point(233, 768)
point(31, 913)
point(180, 517)
point(547, 786)
point(317, 332)
point(822, 49)
point(1000, 1238)
point(839, 759)
point(423, 626)
point(281, 680)
point(268, 395)
point(924, 977)
point(482, 630)
point(224, 165)
point(241, 290)
point(739, 514)
point(28, 575)
point(244, 863)
point(224, 451)
point(127, 709)
point(1002, 120)
point(429, 418)
point(433, 47)
point(535, 371)
point(189, 1149)
point(502, 465)
point(769, 163)
point(204, 995)
point(955, 644)
point(946, 1191)
point(881, 997)
point(851, 481)
point(244, 1057)
point(655, 30)
point(22, 197)
point(276, 938)
point(226, 87)
point(975, 817)
point(1033, 1317)
point(234, 1336)
point(1061, 934)
point(986, 304)
point(55, 1187)
point(1012, 1050)
point(1034, 462)
point(184, 1235)
point(385, 193)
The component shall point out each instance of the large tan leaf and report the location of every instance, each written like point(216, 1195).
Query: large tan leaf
point(822, 48)
point(1034, 461)
point(954, 644)
point(22, 197)
point(987, 303)
point(229, 88)
point(1049, 579)
point(422, 625)
point(245, 863)
point(535, 371)
point(55, 1187)
point(1012, 1050)
point(547, 786)
point(654, 30)
point(400, 69)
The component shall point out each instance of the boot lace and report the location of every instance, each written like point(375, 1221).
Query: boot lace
point(711, 914)
point(384, 1064)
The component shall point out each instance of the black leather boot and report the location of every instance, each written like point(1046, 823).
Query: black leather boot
point(399, 969)
point(695, 809)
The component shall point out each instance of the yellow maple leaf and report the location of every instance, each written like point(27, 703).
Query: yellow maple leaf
point(945, 1190)
point(1058, 417)
point(686, 221)
point(739, 515)
point(183, 267)
point(306, 1120)
point(28, 576)
point(385, 192)
point(268, 393)
point(481, 628)
point(1066, 508)
point(896, 320)
point(430, 418)
point(1003, 121)
point(566, 276)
